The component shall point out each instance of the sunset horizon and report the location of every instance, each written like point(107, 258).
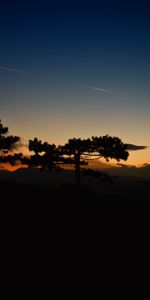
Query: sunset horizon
point(73, 70)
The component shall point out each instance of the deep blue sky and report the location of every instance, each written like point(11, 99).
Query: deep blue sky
point(67, 49)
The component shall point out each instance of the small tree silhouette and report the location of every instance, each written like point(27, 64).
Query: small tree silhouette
point(46, 156)
point(81, 151)
point(8, 143)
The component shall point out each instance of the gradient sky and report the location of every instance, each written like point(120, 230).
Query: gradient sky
point(76, 69)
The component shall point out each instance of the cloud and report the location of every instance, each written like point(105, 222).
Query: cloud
point(100, 90)
point(134, 147)
point(125, 166)
point(14, 70)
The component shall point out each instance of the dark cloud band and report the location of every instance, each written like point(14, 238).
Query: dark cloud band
point(135, 147)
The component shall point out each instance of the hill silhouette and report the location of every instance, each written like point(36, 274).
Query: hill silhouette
point(58, 188)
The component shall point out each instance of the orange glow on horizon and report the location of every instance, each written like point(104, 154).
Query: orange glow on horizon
point(10, 168)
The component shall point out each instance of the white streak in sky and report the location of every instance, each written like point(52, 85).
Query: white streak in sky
point(14, 70)
point(101, 90)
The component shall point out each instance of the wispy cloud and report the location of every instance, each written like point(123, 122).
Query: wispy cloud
point(100, 90)
point(14, 70)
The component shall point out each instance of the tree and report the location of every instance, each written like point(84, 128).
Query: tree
point(8, 143)
point(46, 156)
point(81, 151)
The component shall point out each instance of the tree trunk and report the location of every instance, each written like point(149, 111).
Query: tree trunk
point(77, 170)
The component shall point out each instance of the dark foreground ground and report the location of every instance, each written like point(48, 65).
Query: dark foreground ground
point(126, 194)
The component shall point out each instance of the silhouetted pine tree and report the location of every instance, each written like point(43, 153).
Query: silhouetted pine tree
point(81, 151)
point(8, 143)
point(46, 156)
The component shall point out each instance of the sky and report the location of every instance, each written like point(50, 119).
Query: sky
point(76, 69)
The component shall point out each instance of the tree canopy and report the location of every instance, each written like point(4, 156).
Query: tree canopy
point(44, 156)
point(8, 143)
